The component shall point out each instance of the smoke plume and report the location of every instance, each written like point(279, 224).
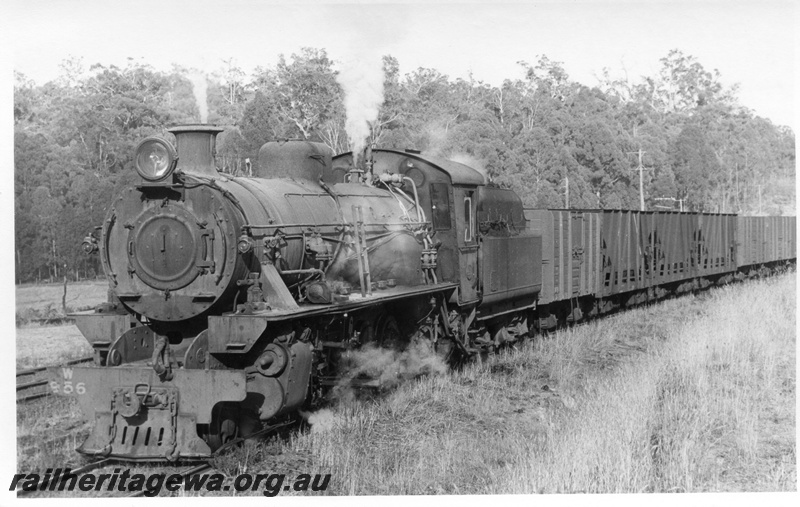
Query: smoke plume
point(321, 420)
point(391, 367)
point(436, 144)
point(361, 79)
point(200, 88)
point(388, 367)
point(469, 160)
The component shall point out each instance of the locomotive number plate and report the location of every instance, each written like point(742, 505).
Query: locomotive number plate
point(64, 385)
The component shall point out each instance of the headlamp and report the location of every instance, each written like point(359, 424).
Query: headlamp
point(89, 245)
point(155, 159)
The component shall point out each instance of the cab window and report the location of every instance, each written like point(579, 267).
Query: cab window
point(440, 204)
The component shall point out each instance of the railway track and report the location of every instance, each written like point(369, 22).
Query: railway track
point(53, 321)
point(32, 385)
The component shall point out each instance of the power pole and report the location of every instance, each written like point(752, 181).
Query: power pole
point(641, 183)
point(566, 192)
point(641, 169)
point(759, 199)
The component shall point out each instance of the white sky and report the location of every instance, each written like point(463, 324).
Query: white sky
point(752, 43)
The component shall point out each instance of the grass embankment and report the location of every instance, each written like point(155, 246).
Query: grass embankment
point(48, 432)
point(694, 394)
point(44, 301)
point(39, 345)
point(49, 345)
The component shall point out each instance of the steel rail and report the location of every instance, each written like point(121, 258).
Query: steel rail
point(31, 371)
point(192, 471)
point(28, 385)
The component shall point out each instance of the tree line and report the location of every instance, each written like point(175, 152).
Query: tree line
point(557, 142)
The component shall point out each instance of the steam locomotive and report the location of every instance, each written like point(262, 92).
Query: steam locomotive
point(233, 299)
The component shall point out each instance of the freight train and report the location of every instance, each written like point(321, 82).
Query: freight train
point(232, 300)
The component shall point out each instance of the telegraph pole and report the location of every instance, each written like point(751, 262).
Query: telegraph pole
point(641, 169)
point(641, 183)
point(759, 198)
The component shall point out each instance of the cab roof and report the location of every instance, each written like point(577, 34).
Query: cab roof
point(459, 173)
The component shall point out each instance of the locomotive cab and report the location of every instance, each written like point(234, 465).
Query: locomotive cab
point(448, 194)
point(485, 242)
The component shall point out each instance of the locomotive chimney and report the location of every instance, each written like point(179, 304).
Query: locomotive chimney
point(196, 148)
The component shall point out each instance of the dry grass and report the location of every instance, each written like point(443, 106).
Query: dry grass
point(48, 432)
point(79, 295)
point(48, 345)
point(45, 345)
point(49, 429)
point(634, 403)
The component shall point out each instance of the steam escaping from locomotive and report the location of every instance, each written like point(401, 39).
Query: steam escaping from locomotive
point(471, 161)
point(320, 421)
point(436, 139)
point(361, 78)
point(392, 367)
point(200, 90)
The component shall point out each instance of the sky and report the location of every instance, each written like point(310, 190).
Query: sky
point(752, 43)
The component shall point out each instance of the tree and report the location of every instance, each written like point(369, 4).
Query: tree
point(684, 84)
point(694, 165)
point(393, 107)
point(74, 138)
point(307, 93)
point(260, 122)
